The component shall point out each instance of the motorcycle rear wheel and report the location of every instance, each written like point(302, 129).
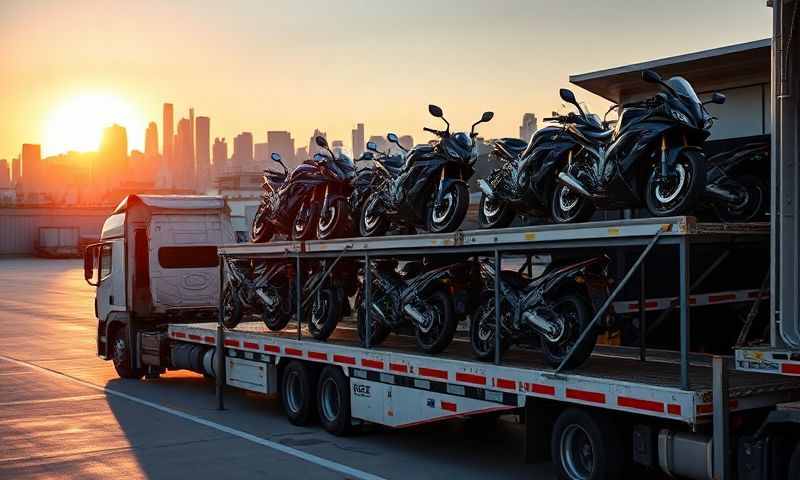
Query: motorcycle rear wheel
point(482, 330)
point(751, 208)
point(679, 195)
point(448, 216)
point(231, 308)
point(304, 226)
point(377, 330)
point(335, 222)
point(443, 325)
point(370, 223)
point(280, 316)
point(576, 312)
point(261, 231)
point(494, 213)
point(325, 313)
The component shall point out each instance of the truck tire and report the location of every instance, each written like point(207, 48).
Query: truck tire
point(585, 446)
point(298, 385)
point(121, 355)
point(333, 401)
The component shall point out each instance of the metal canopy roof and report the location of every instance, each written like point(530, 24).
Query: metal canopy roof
point(734, 65)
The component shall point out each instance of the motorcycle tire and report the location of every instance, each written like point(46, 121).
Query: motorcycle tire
point(576, 309)
point(440, 332)
point(261, 231)
point(305, 228)
point(456, 197)
point(231, 308)
point(369, 226)
point(336, 223)
point(324, 313)
point(378, 331)
point(751, 208)
point(567, 206)
point(680, 199)
point(279, 318)
point(482, 328)
point(494, 216)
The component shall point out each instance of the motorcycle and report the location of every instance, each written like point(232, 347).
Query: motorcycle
point(422, 296)
point(429, 188)
point(654, 156)
point(555, 307)
point(339, 171)
point(732, 191)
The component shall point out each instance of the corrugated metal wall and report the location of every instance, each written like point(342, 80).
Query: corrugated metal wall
point(19, 227)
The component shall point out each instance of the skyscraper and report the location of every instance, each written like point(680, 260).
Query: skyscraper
point(191, 135)
point(261, 153)
point(31, 166)
point(220, 155)
point(282, 143)
point(167, 160)
point(112, 165)
point(183, 174)
point(202, 154)
point(407, 141)
point(528, 127)
point(15, 171)
point(312, 143)
point(242, 157)
point(5, 174)
point(151, 140)
point(358, 140)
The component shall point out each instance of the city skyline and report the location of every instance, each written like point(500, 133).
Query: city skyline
point(127, 65)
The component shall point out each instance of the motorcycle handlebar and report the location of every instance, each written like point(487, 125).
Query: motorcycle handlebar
point(435, 132)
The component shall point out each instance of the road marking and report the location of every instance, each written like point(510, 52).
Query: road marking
point(322, 462)
point(50, 400)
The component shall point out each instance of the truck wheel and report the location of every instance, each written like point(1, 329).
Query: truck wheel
point(297, 393)
point(585, 446)
point(121, 355)
point(333, 401)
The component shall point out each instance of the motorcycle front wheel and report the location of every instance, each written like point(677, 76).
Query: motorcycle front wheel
point(568, 206)
point(482, 330)
point(261, 231)
point(231, 308)
point(448, 215)
point(494, 213)
point(437, 332)
point(326, 311)
point(678, 194)
point(752, 206)
point(333, 223)
point(304, 226)
point(377, 330)
point(372, 218)
point(575, 313)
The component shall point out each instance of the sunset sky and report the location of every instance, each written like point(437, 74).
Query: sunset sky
point(69, 67)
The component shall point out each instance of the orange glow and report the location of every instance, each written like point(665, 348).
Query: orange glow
point(78, 123)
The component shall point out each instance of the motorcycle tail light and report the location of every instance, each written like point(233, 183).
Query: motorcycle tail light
point(580, 279)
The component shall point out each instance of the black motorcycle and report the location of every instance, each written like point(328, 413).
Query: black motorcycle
point(362, 184)
point(429, 189)
point(428, 298)
point(339, 171)
point(733, 190)
point(654, 157)
point(555, 307)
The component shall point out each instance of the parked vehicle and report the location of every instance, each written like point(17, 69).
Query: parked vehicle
point(420, 296)
point(363, 183)
point(654, 157)
point(429, 189)
point(732, 191)
point(555, 307)
point(339, 171)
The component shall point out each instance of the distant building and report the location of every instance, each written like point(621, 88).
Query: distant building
point(358, 140)
point(112, 164)
point(312, 142)
point(220, 155)
point(407, 141)
point(5, 174)
point(167, 132)
point(191, 137)
point(301, 155)
point(183, 173)
point(151, 140)
point(15, 171)
point(261, 153)
point(380, 141)
point(528, 127)
point(281, 142)
point(242, 157)
point(202, 154)
point(31, 168)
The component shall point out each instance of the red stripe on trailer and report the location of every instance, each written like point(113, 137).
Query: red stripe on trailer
point(398, 367)
point(293, 352)
point(195, 337)
point(449, 406)
point(542, 389)
point(272, 348)
point(708, 408)
point(505, 383)
point(433, 373)
point(209, 340)
point(722, 297)
point(318, 355)
point(638, 404)
point(250, 345)
point(674, 409)
point(179, 334)
point(231, 343)
point(586, 396)
point(366, 362)
point(790, 368)
point(470, 378)
point(344, 359)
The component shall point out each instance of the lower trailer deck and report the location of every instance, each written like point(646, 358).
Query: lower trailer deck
point(612, 378)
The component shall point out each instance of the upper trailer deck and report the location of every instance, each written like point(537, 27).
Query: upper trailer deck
point(671, 230)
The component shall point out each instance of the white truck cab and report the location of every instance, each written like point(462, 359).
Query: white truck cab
point(156, 263)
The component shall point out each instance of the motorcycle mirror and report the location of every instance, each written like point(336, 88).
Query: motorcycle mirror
point(651, 76)
point(435, 111)
point(718, 98)
point(321, 142)
point(276, 157)
point(392, 137)
point(487, 116)
point(372, 146)
point(567, 96)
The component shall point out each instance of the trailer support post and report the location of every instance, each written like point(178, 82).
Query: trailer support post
point(642, 315)
point(367, 301)
point(684, 309)
point(497, 293)
point(721, 419)
point(299, 287)
point(219, 366)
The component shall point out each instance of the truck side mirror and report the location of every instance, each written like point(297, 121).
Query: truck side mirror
point(88, 264)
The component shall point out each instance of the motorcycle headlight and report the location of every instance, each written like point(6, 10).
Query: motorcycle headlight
point(681, 117)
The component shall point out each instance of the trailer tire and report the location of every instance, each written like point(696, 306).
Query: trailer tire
point(121, 355)
point(585, 446)
point(298, 384)
point(333, 401)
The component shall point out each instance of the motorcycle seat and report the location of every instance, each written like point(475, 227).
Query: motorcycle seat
point(513, 145)
point(275, 177)
point(393, 162)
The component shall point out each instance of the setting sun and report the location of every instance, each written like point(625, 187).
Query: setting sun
point(78, 123)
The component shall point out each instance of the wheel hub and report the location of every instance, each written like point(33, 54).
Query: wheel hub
point(567, 199)
point(669, 189)
point(442, 211)
point(490, 208)
point(326, 221)
point(577, 453)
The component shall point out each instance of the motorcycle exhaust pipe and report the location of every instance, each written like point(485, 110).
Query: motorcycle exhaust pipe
point(542, 325)
point(268, 301)
point(565, 178)
point(485, 188)
point(412, 312)
point(720, 193)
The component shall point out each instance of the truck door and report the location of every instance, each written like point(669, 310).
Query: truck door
point(111, 279)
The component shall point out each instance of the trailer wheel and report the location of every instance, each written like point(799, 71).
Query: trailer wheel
point(297, 393)
point(121, 355)
point(585, 446)
point(333, 401)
